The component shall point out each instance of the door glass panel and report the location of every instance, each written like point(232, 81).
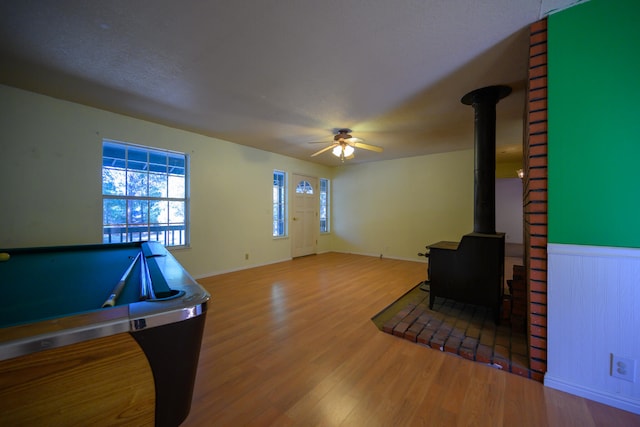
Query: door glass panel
point(304, 187)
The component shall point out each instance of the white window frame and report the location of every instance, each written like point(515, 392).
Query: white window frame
point(280, 222)
point(170, 233)
point(325, 207)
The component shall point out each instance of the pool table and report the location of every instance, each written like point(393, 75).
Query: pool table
point(67, 360)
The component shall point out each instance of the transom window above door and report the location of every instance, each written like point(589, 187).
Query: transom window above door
point(304, 187)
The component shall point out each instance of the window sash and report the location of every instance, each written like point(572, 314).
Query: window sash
point(145, 194)
point(324, 206)
point(279, 204)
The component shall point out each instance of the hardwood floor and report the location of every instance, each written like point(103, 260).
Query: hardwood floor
point(292, 344)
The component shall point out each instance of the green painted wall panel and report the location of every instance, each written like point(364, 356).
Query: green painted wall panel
point(594, 124)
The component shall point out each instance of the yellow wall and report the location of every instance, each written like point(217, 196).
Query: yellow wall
point(51, 152)
point(51, 189)
point(396, 207)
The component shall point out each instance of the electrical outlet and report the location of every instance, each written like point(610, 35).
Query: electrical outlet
point(623, 368)
point(246, 256)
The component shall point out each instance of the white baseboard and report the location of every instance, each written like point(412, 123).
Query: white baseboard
point(244, 267)
point(423, 261)
point(616, 401)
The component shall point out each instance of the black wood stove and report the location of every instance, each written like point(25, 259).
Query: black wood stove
point(472, 270)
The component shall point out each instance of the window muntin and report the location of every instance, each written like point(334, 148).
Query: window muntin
point(144, 194)
point(304, 187)
point(279, 204)
point(324, 205)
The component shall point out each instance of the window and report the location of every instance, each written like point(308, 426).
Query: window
point(279, 204)
point(304, 187)
point(144, 194)
point(324, 205)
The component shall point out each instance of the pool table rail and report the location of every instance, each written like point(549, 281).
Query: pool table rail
point(66, 364)
point(70, 328)
point(19, 340)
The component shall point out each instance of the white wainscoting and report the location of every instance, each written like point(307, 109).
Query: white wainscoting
point(593, 311)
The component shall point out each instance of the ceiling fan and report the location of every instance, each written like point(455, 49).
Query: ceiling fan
point(344, 145)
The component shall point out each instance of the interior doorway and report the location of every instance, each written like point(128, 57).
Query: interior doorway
point(304, 219)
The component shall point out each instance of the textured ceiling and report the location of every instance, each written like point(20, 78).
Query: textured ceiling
point(280, 74)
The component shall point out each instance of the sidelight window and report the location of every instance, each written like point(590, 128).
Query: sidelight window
point(279, 204)
point(324, 205)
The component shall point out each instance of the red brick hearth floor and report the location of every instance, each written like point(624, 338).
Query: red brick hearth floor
point(462, 329)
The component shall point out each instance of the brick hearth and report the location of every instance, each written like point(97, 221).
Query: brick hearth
point(465, 330)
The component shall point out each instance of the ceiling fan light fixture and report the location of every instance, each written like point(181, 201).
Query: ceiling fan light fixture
point(348, 150)
point(342, 150)
point(344, 145)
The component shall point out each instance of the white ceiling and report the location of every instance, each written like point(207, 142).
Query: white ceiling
point(279, 74)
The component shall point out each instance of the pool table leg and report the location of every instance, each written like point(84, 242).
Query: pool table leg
point(173, 351)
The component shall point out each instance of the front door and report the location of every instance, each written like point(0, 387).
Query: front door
point(304, 221)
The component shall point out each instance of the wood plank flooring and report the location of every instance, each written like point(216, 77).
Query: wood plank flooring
point(292, 344)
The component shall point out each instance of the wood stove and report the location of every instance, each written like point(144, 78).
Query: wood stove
point(472, 270)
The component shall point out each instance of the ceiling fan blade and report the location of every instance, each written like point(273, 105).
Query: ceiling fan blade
point(350, 157)
point(367, 147)
point(353, 140)
point(323, 150)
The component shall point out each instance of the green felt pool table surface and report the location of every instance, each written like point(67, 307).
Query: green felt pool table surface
point(39, 284)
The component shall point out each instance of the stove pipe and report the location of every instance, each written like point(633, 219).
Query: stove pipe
point(484, 102)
